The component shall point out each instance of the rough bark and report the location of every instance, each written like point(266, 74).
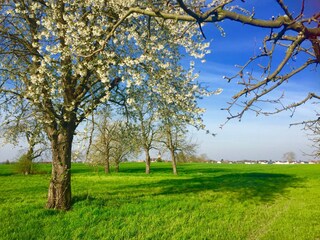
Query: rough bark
point(171, 148)
point(148, 161)
point(28, 169)
point(174, 162)
point(59, 194)
point(107, 161)
point(117, 166)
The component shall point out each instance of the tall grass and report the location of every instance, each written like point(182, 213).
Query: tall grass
point(205, 201)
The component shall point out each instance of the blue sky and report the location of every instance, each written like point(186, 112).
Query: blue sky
point(254, 137)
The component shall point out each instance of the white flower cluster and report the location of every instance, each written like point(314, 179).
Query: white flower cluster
point(77, 48)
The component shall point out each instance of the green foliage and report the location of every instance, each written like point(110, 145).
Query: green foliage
point(206, 201)
point(191, 158)
point(24, 164)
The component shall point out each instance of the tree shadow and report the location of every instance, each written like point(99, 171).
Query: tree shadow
point(88, 200)
point(7, 174)
point(81, 198)
point(262, 187)
point(166, 169)
point(187, 170)
point(7, 170)
point(141, 170)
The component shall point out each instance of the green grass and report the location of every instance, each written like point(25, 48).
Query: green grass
point(206, 201)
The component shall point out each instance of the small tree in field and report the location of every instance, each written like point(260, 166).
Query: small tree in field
point(104, 134)
point(111, 141)
point(173, 136)
point(125, 144)
point(290, 157)
point(142, 111)
point(19, 125)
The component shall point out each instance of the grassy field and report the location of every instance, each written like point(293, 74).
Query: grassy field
point(205, 201)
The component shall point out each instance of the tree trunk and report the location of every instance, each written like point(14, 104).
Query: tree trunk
point(117, 162)
point(107, 166)
point(59, 194)
point(174, 162)
point(28, 165)
point(107, 162)
point(148, 161)
point(171, 147)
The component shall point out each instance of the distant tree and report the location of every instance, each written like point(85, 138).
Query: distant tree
point(174, 118)
point(19, 125)
point(183, 157)
point(181, 149)
point(142, 112)
point(290, 157)
point(171, 142)
point(124, 145)
point(203, 157)
point(111, 141)
point(313, 130)
point(104, 135)
point(24, 164)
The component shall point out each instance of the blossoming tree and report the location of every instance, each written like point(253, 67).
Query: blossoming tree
point(66, 57)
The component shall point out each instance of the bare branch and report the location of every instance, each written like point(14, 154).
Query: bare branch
point(285, 9)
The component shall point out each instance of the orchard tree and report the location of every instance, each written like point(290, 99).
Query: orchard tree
point(19, 125)
point(142, 113)
point(174, 117)
point(157, 86)
point(173, 138)
point(111, 141)
point(102, 135)
point(125, 145)
point(67, 57)
point(155, 108)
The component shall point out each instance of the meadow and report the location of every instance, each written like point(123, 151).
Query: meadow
point(205, 201)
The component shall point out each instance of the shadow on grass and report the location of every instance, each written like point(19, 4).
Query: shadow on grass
point(255, 186)
point(166, 169)
point(187, 170)
point(241, 186)
point(7, 170)
point(7, 174)
point(82, 197)
point(260, 187)
point(89, 200)
point(263, 187)
point(141, 170)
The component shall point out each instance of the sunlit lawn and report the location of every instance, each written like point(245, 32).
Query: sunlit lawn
point(205, 201)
